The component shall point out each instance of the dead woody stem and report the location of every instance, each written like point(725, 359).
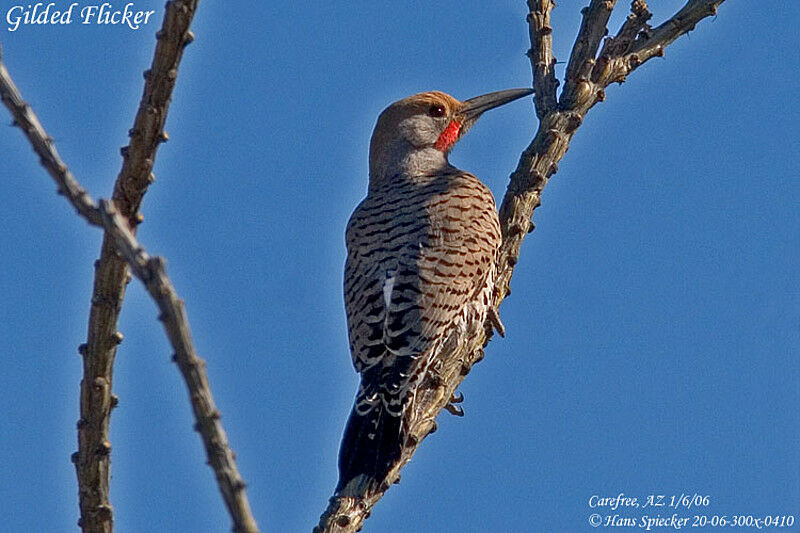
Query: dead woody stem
point(588, 75)
point(92, 460)
point(151, 271)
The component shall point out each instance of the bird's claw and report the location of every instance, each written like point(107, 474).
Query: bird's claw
point(494, 318)
point(456, 398)
point(454, 409)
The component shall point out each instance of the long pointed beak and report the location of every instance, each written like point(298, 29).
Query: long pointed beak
point(475, 107)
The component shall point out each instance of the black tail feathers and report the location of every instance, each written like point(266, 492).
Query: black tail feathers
point(371, 446)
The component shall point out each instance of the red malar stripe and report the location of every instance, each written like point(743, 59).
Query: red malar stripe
point(448, 136)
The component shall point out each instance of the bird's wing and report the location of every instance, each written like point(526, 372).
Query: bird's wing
point(448, 276)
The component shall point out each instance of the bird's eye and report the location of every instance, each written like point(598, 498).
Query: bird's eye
point(436, 111)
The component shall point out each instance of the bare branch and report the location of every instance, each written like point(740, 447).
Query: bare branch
point(684, 21)
point(541, 55)
point(151, 271)
point(92, 461)
point(540, 160)
point(593, 29)
point(43, 145)
point(634, 24)
point(346, 512)
point(616, 63)
point(148, 127)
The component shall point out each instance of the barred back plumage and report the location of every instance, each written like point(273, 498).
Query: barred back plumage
point(419, 254)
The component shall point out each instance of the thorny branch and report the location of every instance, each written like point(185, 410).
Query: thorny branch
point(92, 460)
point(151, 271)
point(541, 55)
point(586, 80)
point(592, 31)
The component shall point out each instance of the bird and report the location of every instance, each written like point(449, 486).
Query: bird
point(422, 250)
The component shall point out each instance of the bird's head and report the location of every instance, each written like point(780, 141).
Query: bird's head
point(414, 135)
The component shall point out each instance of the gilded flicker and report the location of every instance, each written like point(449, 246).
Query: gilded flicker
point(421, 259)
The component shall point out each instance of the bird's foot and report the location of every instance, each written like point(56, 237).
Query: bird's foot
point(452, 406)
point(494, 318)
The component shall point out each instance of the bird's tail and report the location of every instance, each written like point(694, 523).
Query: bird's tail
point(372, 442)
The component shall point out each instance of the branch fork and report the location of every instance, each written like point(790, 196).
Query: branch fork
point(119, 218)
point(587, 76)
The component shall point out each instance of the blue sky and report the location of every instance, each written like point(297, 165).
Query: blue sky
point(653, 336)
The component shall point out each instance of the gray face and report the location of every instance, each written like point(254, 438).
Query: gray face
point(422, 130)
